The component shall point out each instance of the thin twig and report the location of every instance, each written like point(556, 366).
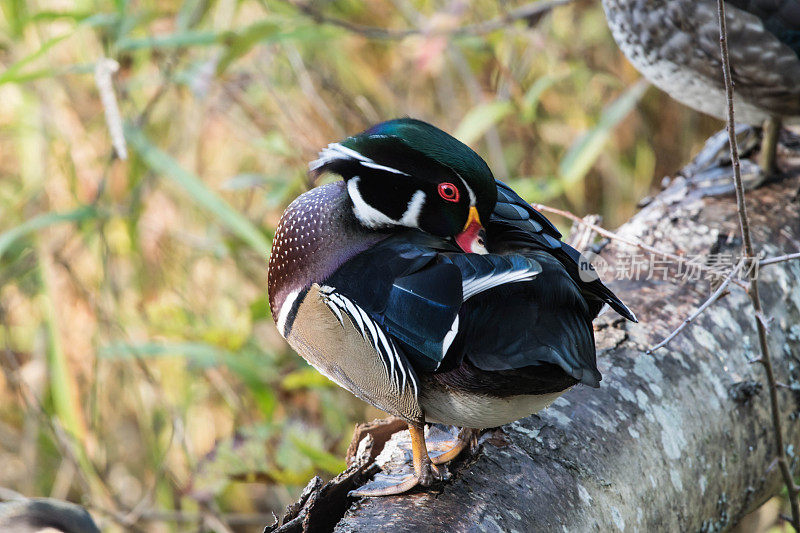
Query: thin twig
point(581, 236)
point(586, 222)
point(530, 11)
point(103, 72)
point(711, 299)
point(778, 259)
point(750, 256)
point(631, 242)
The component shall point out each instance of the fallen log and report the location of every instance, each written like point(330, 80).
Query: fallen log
point(677, 440)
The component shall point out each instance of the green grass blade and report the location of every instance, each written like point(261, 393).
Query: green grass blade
point(320, 458)
point(62, 384)
point(530, 102)
point(242, 42)
point(81, 17)
point(579, 159)
point(14, 75)
point(42, 221)
point(234, 43)
point(200, 353)
point(480, 118)
point(13, 72)
point(172, 40)
point(161, 163)
point(15, 13)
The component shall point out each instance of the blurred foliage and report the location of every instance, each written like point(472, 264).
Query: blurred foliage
point(142, 372)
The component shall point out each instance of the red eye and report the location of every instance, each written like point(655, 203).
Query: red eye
point(448, 191)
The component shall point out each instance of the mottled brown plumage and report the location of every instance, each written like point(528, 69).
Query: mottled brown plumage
point(675, 45)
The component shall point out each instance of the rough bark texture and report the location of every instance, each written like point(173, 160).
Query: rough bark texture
point(679, 440)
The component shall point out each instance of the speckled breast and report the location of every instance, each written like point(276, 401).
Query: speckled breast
point(316, 234)
point(675, 45)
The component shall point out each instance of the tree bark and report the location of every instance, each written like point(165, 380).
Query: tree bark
point(677, 440)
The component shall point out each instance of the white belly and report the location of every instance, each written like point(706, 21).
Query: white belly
point(478, 411)
point(695, 91)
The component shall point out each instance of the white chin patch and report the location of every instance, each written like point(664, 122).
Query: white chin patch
point(373, 218)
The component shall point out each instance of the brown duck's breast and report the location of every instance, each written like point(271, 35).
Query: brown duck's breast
point(316, 234)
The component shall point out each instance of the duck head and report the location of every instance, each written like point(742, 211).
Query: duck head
point(405, 173)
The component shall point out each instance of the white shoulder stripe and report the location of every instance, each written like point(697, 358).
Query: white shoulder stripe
point(390, 357)
point(283, 313)
point(472, 286)
point(449, 337)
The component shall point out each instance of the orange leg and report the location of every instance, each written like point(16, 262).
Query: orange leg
point(424, 469)
point(466, 437)
point(425, 472)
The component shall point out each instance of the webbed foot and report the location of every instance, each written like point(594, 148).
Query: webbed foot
point(396, 478)
point(467, 438)
point(711, 171)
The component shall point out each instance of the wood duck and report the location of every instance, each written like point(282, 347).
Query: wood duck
point(675, 45)
point(431, 290)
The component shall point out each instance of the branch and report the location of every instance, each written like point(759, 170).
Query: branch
point(744, 222)
point(779, 259)
point(630, 242)
point(713, 298)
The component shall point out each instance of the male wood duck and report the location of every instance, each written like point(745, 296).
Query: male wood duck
point(675, 45)
point(431, 290)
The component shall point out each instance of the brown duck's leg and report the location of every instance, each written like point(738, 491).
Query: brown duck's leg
point(425, 473)
point(466, 437)
point(769, 145)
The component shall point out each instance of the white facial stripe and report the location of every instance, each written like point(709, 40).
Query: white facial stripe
point(411, 217)
point(283, 314)
point(368, 215)
point(381, 167)
point(336, 151)
point(472, 199)
point(372, 218)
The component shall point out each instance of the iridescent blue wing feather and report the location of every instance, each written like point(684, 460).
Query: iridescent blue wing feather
point(514, 225)
point(545, 321)
point(415, 292)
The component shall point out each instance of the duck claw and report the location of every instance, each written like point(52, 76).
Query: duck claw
point(711, 174)
point(716, 181)
point(401, 472)
point(467, 439)
point(381, 485)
